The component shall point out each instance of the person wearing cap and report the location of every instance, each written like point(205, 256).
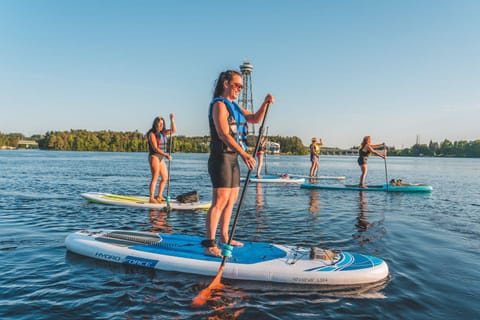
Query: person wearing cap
point(315, 155)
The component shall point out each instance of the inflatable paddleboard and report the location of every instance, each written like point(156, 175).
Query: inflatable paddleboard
point(254, 261)
point(268, 178)
point(322, 177)
point(383, 187)
point(142, 202)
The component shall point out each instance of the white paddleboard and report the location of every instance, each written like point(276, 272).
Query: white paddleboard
point(142, 202)
point(257, 261)
point(283, 179)
point(323, 177)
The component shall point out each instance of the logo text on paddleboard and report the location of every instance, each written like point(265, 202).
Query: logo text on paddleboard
point(105, 256)
point(142, 262)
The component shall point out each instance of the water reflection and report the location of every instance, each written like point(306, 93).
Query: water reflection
point(366, 229)
point(259, 197)
point(362, 224)
point(314, 203)
point(159, 222)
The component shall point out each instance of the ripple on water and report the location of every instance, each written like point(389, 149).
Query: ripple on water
point(429, 241)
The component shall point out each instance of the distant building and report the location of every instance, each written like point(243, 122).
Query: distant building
point(27, 144)
point(273, 147)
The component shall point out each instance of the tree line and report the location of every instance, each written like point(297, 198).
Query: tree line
point(446, 148)
point(83, 140)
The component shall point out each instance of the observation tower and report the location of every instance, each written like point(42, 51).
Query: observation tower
point(246, 98)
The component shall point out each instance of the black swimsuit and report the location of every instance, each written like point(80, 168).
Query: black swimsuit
point(151, 149)
point(362, 157)
point(224, 170)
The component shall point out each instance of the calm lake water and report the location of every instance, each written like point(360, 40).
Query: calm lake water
point(431, 242)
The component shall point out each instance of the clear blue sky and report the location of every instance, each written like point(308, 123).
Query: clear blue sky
point(338, 69)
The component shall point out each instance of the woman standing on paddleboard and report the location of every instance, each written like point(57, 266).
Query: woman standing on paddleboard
point(157, 142)
point(315, 156)
point(228, 137)
point(260, 154)
point(367, 149)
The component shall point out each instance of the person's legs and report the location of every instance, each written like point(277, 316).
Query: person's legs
point(364, 175)
point(311, 170)
point(220, 197)
point(163, 180)
point(314, 167)
point(155, 170)
point(226, 217)
point(259, 165)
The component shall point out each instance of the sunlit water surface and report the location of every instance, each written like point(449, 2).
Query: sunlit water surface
point(431, 242)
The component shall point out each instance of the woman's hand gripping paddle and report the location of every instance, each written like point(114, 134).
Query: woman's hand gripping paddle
point(206, 293)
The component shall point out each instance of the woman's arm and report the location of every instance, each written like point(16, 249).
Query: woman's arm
point(376, 146)
point(375, 152)
point(173, 126)
point(258, 116)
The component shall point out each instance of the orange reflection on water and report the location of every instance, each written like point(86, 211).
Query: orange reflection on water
point(158, 221)
point(314, 203)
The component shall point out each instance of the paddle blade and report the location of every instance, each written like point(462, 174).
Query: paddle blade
point(203, 296)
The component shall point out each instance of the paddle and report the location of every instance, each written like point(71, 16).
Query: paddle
point(385, 161)
point(169, 161)
point(265, 152)
point(205, 294)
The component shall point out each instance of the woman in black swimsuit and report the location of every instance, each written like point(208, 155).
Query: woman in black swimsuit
point(367, 149)
point(157, 139)
point(225, 148)
point(260, 154)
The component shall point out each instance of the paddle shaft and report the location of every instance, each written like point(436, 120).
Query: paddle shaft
point(265, 152)
point(169, 161)
point(386, 172)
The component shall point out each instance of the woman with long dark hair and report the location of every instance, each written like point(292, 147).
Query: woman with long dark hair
point(228, 133)
point(157, 151)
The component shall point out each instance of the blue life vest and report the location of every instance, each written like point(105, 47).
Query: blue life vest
point(161, 141)
point(236, 122)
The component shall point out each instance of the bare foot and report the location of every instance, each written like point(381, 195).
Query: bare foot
point(153, 200)
point(234, 243)
point(160, 199)
point(213, 252)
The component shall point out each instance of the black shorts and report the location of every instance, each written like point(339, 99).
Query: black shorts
point(224, 170)
point(362, 160)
